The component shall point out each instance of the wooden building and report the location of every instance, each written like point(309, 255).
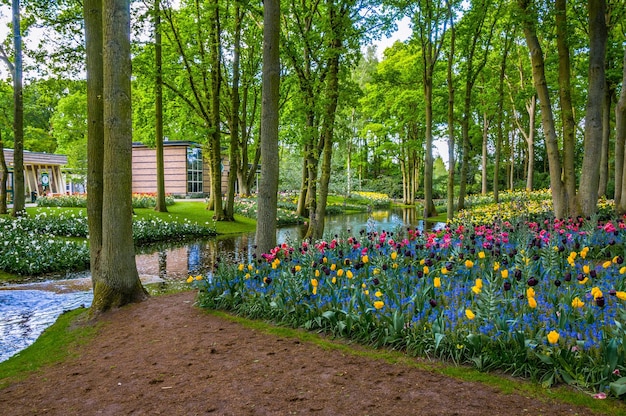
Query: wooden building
point(42, 173)
point(186, 170)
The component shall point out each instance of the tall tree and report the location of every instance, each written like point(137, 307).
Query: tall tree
point(430, 20)
point(95, 132)
point(529, 19)
point(268, 189)
point(18, 116)
point(4, 176)
point(451, 121)
point(158, 109)
point(118, 281)
point(620, 143)
point(589, 181)
point(476, 43)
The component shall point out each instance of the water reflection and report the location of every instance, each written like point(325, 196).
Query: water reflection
point(26, 313)
point(199, 257)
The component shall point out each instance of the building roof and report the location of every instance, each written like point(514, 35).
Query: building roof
point(36, 158)
point(167, 143)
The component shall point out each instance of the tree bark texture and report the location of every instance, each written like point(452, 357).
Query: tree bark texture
point(95, 131)
point(120, 282)
point(158, 109)
point(268, 189)
point(18, 117)
point(590, 176)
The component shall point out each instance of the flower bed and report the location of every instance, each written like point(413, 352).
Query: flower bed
point(543, 300)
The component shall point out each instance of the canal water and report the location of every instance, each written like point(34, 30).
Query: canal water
point(26, 310)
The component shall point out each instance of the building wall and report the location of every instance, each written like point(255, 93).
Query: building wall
point(175, 168)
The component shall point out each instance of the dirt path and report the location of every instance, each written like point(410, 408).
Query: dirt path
point(166, 357)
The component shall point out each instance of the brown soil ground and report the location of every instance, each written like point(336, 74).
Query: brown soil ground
point(167, 357)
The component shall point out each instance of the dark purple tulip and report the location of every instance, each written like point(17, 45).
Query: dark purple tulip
point(507, 286)
point(592, 273)
point(376, 281)
point(600, 301)
point(612, 292)
point(420, 274)
point(532, 282)
point(568, 277)
point(619, 260)
point(432, 302)
point(557, 283)
point(580, 277)
point(518, 274)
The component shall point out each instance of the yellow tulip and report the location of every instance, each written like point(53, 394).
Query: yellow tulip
point(379, 304)
point(426, 269)
point(470, 315)
point(504, 273)
point(340, 272)
point(476, 289)
point(333, 266)
point(622, 270)
point(378, 293)
point(532, 303)
point(481, 255)
point(586, 269)
point(607, 264)
point(621, 295)
point(334, 280)
point(479, 283)
point(530, 292)
point(349, 274)
point(198, 277)
point(553, 337)
point(596, 292)
point(365, 259)
point(241, 266)
point(496, 266)
point(317, 273)
point(469, 264)
point(190, 279)
point(298, 267)
point(577, 303)
point(394, 255)
point(314, 282)
point(437, 282)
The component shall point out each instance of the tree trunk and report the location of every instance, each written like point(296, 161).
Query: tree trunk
point(530, 142)
point(593, 117)
point(234, 122)
point(4, 176)
point(429, 205)
point(484, 154)
point(547, 118)
point(95, 132)
point(268, 192)
point(158, 110)
point(606, 138)
point(215, 153)
point(620, 142)
point(567, 112)
point(451, 139)
point(332, 98)
point(18, 118)
point(500, 127)
point(119, 283)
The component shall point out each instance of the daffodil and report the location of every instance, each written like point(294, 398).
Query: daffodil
point(553, 337)
point(577, 303)
point(469, 314)
point(596, 292)
point(240, 267)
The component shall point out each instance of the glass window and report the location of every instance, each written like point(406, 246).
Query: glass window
point(194, 170)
